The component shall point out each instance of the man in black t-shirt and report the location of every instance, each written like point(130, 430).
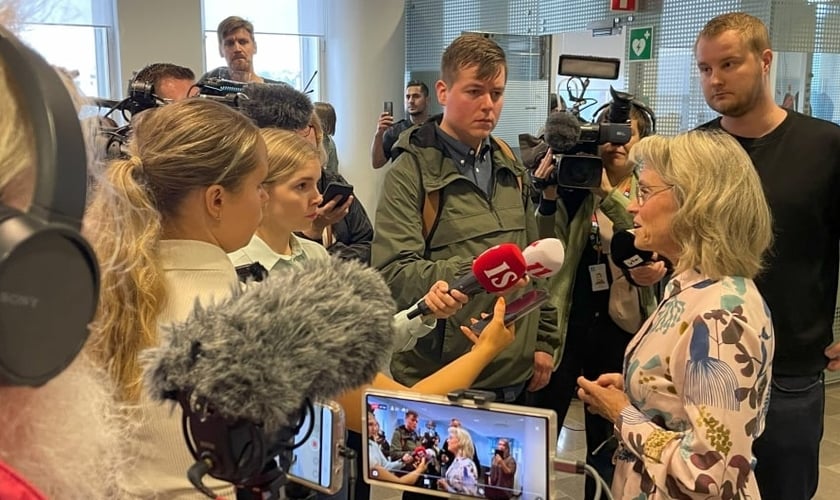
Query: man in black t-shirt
point(798, 160)
point(387, 132)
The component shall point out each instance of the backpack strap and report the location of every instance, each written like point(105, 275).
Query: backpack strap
point(431, 201)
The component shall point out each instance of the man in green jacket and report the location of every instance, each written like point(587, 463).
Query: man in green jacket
point(477, 182)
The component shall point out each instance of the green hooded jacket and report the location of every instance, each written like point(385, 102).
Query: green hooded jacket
point(469, 222)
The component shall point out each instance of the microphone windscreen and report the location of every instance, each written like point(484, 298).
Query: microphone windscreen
point(276, 105)
point(624, 252)
point(562, 131)
point(499, 268)
point(544, 257)
point(313, 332)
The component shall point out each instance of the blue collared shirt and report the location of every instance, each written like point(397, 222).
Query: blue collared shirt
point(477, 166)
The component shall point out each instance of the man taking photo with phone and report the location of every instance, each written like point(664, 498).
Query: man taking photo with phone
point(387, 131)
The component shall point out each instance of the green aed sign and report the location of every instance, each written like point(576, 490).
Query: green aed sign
point(641, 44)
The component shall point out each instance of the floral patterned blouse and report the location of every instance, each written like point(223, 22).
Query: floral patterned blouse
point(697, 375)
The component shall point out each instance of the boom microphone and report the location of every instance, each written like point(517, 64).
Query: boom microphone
point(543, 258)
point(495, 270)
point(624, 252)
point(276, 105)
point(315, 331)
point(244, 369)
point(562, 131)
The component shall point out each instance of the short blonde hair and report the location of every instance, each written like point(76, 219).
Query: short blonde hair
point(750, 29)
point(466, 448)
point(287, 152)
point(723, 224)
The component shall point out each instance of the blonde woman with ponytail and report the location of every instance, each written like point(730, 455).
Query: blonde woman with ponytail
point(162, 222)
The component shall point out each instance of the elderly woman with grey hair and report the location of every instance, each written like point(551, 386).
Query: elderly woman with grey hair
point(462, 475)
point(694, 391)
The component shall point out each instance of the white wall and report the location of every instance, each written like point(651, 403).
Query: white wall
point(158, 31)
point(365, 65)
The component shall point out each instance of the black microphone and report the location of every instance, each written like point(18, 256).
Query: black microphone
point(243, 370)
point(276, 105)
point(562, 131)
point(624, 252)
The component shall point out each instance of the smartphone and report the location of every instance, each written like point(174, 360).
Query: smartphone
point(388, 107)
point(531, 433)
point(514, 310)
point(317, 463)
point(337, 189)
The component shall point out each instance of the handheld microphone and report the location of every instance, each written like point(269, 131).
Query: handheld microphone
point(562, 131)
point(244, 369)
point(624, 252)
point(544, 257)
point(495, 270)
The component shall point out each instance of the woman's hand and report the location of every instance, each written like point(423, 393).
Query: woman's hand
point(495, 336)
point(648, 274)
point(328, 215)
point(443, 303)
point(606, 401)
point(543, 171)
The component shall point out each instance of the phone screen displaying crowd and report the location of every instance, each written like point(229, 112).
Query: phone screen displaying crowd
point(491, 451)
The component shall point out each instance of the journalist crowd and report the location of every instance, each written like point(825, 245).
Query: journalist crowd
point(692, 314)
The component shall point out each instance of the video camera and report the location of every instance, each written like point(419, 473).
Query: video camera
point(573, 140)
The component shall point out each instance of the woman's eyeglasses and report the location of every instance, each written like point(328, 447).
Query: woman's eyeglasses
point(644, 193)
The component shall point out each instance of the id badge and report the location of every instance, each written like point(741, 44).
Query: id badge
point(598, 277)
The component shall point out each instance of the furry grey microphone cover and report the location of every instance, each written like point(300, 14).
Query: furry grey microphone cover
point(276, 105)
point(562, 131)
point(313, 332)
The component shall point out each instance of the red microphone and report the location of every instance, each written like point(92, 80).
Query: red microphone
point(495, 270)
point(543, 258)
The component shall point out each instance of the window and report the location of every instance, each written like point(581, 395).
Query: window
point(77, 35)
point(289, 40)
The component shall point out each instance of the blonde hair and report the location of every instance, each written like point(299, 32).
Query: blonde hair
point(76, 408)
point(16, 137)
point(750, 29)
point(466, 448)
point(287, 152)
point(722, 224)
point(181, 146)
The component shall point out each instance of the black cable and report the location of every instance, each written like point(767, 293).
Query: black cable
point(196, 473)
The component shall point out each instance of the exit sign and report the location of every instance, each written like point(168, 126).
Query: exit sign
point(623, 5)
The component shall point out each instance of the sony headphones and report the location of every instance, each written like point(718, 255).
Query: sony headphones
point(49, 278)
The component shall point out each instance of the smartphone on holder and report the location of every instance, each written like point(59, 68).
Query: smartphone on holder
point(388, 107)
point(515, 309)
point(317, 463)
point(337, 189)
point(531, 433)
